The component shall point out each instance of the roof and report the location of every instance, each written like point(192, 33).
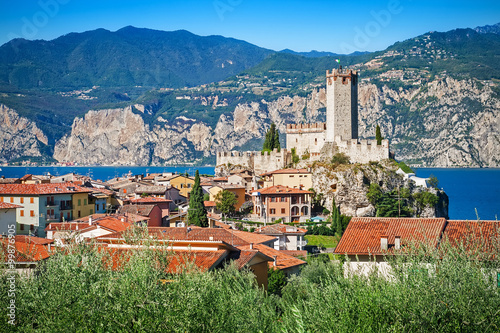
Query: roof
point(254, 238)
point(362, 236)
point(229, 186)
point(209, 203)
point(26, 251)
point(481, 236)
point(220, 179)
point(283, 260)
point(143, 210)
point(280, 229)
point(287, 171)
point(150, 200)
point(32, 239)
point(40, 189)
point(151, 189)
point(113, 223)
point(281, 190)
point(5, 205)
point(8, 180)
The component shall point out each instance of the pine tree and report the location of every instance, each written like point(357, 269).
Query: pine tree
point(197, 214)
point(378, 135)
point(276, 140)
point(272, 139)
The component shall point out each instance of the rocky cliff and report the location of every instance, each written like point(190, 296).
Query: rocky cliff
point(18, 136)
point(349, 184)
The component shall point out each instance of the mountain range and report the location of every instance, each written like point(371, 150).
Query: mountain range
point(436, 96)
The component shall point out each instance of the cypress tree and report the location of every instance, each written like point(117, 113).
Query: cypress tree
point(197, 214)
point(272, 139)
point(378, 135)
point(276, 140)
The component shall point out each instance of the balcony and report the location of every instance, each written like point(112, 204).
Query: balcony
point(51, 218)
point(64, 206)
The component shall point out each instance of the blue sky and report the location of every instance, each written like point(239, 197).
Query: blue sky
point(335, 26)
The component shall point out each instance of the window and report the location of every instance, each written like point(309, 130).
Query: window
point(273, 211)
point(282, 210)
point(85, 202)
point(21, 226)
point(283, 199)
point(103, 206)
point(32, 200)
point(79, 202)
point(22, 200)
point(32, 213)
point(32, 227)
point(316, 141)
point(273, 199)
point(1, 199)
point(91, 211)
point(79, 214)
point(11, 199)
point(125, 191)
point(21, 213)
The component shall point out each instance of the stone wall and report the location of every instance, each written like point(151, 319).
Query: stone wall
point(255, 160)
point(305, 137)
point(361, 151)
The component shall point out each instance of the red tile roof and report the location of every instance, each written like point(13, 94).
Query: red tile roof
point(254, 238)
point(283, 260)
point(209, 203)
point(150, 200)
point(111, 223)
point(362, 236)
point(40, 189)
point(280, 229)
point(474, 236)
point(26, 252)
point(281, 190)
point(5, 205)
point(32, 239)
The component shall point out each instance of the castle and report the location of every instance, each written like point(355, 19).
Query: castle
point(319, 141)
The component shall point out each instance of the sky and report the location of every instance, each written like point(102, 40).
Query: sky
point(322, 25)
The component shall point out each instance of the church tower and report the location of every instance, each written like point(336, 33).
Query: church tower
point(341, 104)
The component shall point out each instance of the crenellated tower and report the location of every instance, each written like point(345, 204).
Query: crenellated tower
point(341, 104)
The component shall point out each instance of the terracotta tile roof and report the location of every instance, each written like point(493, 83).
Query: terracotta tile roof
point(5, 205)
point(209, 203)
point(475, 236)
point(40, 189)
point(112, 223)
point(288, 171)
point(8, 180)
point(254, 238)
point(32, 239)
point(220, 179)
point(222, 225)
point(229, 186)
point(178, 260)
point(243, 257)
point(143, 210)
point(281, 190)
point(280, 229)
point(283, 260)
point(149, 199)
point(362, 236)
point(67, 226)
point(25, 251)
point(104, 191)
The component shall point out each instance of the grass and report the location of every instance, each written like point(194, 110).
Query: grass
point(325, 241)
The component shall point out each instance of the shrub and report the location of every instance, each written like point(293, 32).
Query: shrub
point(340, 158)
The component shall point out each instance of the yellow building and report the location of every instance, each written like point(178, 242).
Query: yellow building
point(82, 205)
point(238, 190)
point(183, 184)
point(295, 178)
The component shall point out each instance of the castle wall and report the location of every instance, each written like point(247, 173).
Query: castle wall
point(363, 151)
point(305, 137)
point(255, 160)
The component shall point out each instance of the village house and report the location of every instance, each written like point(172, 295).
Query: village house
point(281, 202)
point(45, 203)
point(7, 217)
point(288, 237)
point(295, 178)
point(237, 190)
point(29, 252)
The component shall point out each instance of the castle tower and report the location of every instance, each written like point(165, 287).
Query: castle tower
point(341, 104)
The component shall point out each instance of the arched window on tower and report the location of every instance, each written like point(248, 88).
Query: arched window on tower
point(316, 141)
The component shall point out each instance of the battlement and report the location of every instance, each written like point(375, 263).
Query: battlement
point(346, 75)
point(305, 128)
point(259, 162)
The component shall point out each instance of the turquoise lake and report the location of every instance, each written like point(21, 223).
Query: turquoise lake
point(468, 189)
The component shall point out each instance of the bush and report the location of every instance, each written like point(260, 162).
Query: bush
point(340, 158)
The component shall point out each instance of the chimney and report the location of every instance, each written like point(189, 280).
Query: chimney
point(123, 219)
point(90, 220)
point(397, 242)
point(275, 259)
point(383, 242)
point(251, 246)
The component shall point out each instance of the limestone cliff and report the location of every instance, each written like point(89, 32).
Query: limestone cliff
point(349, 184)
point(19, 136)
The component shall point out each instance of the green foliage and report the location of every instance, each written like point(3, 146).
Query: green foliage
point(374, 193)
point(425, 199)
point(340, 158)
point(272, 140)
point(378, 135)
point(225, 202)
point(317, 200)
point(433, 181)
point(206, 197)
point(197, 214)
point(390, 204)
point(276, 281)
point(295, 157)
point(405, 167)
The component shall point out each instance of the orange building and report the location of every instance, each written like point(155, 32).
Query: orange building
point(282, 202)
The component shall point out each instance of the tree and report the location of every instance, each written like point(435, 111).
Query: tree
point(272, 139)
point(374, 193)
point(433, 181)
point(225, 202)
point(276, 281)
point(378, 135)
point(197, 214)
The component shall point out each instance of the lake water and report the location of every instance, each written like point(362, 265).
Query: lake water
point(468, 189)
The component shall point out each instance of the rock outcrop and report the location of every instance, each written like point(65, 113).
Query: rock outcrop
point(19, 136)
